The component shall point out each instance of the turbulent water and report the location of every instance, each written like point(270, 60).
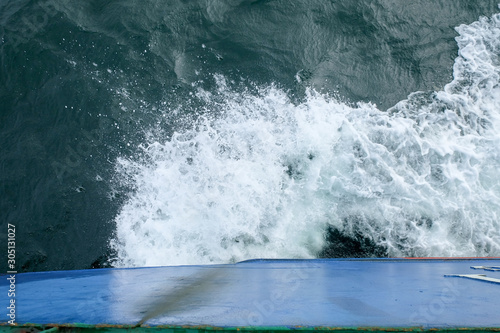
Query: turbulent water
point(153, 133)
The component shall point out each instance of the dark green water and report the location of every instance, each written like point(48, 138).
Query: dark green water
point(82, 83)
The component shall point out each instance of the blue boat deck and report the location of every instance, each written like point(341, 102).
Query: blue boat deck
point(268, 293)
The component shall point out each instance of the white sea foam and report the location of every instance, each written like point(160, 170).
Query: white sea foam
point(259, 176)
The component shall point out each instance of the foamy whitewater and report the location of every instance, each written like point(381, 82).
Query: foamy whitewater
point(256, 175)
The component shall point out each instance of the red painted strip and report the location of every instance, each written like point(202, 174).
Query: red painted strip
point(441, 258)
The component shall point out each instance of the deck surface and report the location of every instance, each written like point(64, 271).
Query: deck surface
point(310, 293)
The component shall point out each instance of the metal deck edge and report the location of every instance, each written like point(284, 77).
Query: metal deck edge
point(48, 328)
point(391, 259)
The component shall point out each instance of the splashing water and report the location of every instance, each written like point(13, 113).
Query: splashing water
point(257, 175)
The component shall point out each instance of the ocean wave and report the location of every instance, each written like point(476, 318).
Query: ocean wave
point(254, 173)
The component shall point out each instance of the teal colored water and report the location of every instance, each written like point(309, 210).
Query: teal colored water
point(138, 133)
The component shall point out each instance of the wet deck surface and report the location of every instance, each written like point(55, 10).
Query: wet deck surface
point(333, 293)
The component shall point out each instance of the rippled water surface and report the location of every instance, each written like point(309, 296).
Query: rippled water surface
point(138, 133)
